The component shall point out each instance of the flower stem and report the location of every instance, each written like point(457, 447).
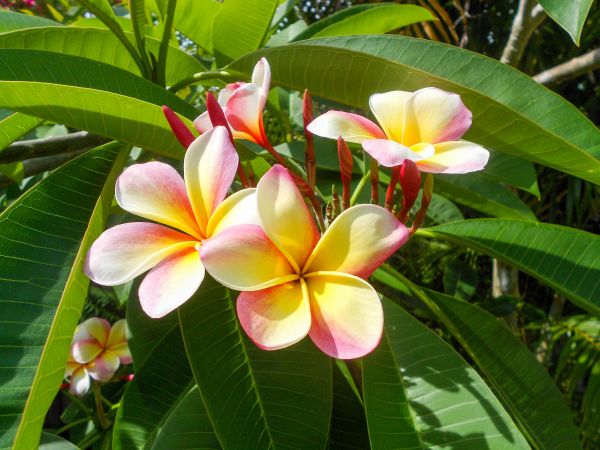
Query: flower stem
point(359, 187)
point(104, 422)
point(208, 75)
point(73, 424)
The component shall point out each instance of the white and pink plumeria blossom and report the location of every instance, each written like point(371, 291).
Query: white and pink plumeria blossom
point(424, 126)
point(191, 210)
point(303, 283)
point(243, 104)
point(97, 351)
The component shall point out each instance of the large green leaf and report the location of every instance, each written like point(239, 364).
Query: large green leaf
point(518, 379)
point(566, 259)
point(15, 125)
point(511, 113)
point(100, 45)
point(44, 237)
point(194, 18)
point(240, 27)
point(91, 96)
point(161, 408)
point(482, 194)
point(255, 399)
point(419, 393)
point(513, 171)
point(10, 20)
point(366, 19)
point(570, 15)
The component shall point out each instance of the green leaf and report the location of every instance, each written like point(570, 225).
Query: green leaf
point(137, 11)
point(161, 407)
point(569, 15)
point(45, 235)
point(514, 171)
point(240, 27)
point(90, 96)
point(484, 195)
point(101, 45)
point(187, 21)
point(442, 210)
point(51, 441)
point(348, 423)
point(10, 21)
point(519, 380)
point(566, 259)
point(255, 399)
point(377, 19)
point(419, 393)
point(511, 113)
point(15, 125)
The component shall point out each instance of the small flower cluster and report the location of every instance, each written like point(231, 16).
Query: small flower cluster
point(306, 276)
point(96, 353)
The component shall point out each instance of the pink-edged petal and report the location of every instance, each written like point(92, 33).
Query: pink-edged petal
point(226, 92)
point(347, 317)
point(93, 328)
point(441, 116)
point(277, 317)
point(117, 341)
point(390, 110)
point(125, 251)
point(352, 127)
point(202, 123)
point(210, 165)
point(358, 241)
point(455, 157)
point(72, 365)
point(243, 258)
point(237, 209)
point(285, 217)
point(244, 113)
point(389, 153)
point(156, 191)
point(104, 367)
point(261, 77)
point(86, 350)
point(171, 283)
point(80, 382)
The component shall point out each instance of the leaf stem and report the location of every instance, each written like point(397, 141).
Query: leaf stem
point(73, 424)
point(208, 75)
point(164, 44)
point(82, 406)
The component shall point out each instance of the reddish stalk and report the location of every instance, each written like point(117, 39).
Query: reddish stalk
point(425, 201)
point(309, 150)
point(345, 158)
point(374, 182)
point(389, 195)
point(410, 180)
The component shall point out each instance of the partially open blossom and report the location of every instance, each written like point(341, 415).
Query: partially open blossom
point(191, 210)
point(300, 282)
point(424, 126)
point(97, 351)
point(243, 104)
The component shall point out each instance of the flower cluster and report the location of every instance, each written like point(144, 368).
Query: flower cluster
point(96, 352)
point(296, 276)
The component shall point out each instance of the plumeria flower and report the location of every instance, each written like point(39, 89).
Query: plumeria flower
point(97, 351)
point(243, 104)
point(191, 210)
point(303, 283)
point(424, 126)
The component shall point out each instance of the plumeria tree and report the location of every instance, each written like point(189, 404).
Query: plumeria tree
point(245, 195)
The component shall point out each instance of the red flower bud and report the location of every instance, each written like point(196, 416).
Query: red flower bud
point(180, 130)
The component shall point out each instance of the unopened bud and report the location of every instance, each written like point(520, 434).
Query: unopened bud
point(180, 130)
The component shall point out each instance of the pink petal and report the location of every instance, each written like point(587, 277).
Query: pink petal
point(358, 241)
point(455, 157)
point(125, 251)
point(93, 328)
point(389, 153)
point(285, 217)
point(277, 317)
point(156, 191)
point(352, 127)
point(86, 350)
point(171, 283)
point(441, 116)
point(261, 77)
point(347, 315)
point(243, 258)
point(80, 382)
point(244, 113)
point(237, 209)
point(390, 110)
point(203, 123)
point(104, 367)
point(210, 165)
